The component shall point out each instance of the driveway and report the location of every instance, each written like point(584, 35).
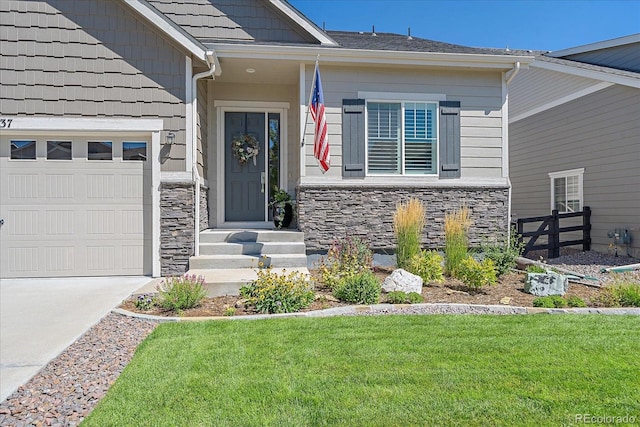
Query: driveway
point(39, 318)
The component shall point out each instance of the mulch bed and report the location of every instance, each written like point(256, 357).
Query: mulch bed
point(508, 291)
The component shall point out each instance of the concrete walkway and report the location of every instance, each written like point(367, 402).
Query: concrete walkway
point(39, 318)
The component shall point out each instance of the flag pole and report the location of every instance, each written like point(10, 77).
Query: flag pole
point(306, 119)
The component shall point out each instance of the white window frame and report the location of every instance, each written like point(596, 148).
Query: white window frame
point(402, 100)
point(566, 174)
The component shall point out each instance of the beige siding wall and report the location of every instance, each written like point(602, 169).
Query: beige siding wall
point(599, 132)
point(480, 94)
point(257, 93)
point(535, 87)
point(247, 20)
point(90, 58)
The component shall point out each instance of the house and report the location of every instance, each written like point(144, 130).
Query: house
point(574, 127)
point(117, 119)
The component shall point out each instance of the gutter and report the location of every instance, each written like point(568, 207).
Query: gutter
point(211, 61)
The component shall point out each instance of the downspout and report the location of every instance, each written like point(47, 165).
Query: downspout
point(194, 147)
point(510, 77)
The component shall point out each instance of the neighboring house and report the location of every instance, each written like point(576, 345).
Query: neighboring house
point(574, 138)
point(117, 118)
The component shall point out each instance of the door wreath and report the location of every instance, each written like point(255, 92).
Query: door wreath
point(245, 147)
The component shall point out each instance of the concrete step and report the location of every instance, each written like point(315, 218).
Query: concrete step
point(259, 236)
point(247, 261)
point(229, 281)
point(252, 248)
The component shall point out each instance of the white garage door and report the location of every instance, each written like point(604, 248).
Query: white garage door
point(74, 206)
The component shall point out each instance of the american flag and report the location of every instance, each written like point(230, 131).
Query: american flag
point(320, 141)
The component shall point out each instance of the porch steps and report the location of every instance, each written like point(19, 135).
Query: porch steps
point(229, 258)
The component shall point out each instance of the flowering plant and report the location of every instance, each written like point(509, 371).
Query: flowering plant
point(245, 147)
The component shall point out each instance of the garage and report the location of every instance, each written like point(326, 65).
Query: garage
point(75, 204)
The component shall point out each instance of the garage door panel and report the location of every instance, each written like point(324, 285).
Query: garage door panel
point(74, 217)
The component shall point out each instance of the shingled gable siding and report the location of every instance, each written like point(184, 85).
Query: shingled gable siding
point(248, 20)
point(327, 213)
point(93, 58)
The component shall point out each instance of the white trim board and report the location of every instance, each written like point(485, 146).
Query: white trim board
point(399, 96)
point(560, 101)
point(69, 124)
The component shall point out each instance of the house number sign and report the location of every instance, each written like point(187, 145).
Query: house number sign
point(5, 123)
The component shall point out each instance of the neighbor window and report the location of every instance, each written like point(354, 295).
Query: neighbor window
point(100, 150)
point(134, 151)
point(23, 150)
point(402, 138)
point(58, 150)
point(566, 190)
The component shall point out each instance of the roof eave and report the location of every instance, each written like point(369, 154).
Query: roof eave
point(591, 74)
point(363, 56)
point(304, 23)
point(168, 28)
point(605, 44)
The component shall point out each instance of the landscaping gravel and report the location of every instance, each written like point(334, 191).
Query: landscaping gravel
point(588, 263)
point(69, 387)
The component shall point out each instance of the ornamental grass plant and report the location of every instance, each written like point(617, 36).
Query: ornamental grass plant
point(456, 243)
point(408, 223)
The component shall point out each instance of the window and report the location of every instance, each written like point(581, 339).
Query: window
point(134, 151)
point(100, 150)
point(58, 150)
point(566, 190)
point(23, 150)
point(402, 138)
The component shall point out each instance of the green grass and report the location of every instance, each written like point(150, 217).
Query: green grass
point(380, 371)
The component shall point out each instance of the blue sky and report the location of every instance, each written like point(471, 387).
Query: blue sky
point(519, 24)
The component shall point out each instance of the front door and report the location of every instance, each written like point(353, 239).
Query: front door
point(245, 198)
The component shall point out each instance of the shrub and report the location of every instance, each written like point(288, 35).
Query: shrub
point(146, 302)
point(504, 253)
point(428, 265)
point(550, 301)
point(363, 288)
point(399, 297)
point(408, 222)
point(574, 301)
point(181, 292)
point(533, 268)
point(414, 298)
point(456, 240)
point(347, 257)
point(624, 291)
point(278, 293)
point(476, 274)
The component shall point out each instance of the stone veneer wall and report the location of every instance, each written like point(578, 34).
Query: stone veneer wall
point(329, 212)
point(204, 207)
point(176, 227)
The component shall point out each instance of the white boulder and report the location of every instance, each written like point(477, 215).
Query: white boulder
point(402, 280)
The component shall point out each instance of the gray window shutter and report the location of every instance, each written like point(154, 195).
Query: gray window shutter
point(449, 139)
point(353, 138)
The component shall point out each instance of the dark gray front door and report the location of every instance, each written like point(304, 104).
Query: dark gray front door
point(244, 183)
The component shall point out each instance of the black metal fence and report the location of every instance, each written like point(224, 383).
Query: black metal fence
point(550, 227)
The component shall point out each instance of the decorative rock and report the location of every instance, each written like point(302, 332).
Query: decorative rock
point(402, 280)
point(505, 300)
point(543, 284)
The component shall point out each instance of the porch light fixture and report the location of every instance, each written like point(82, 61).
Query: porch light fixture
point(171, 138)
point(250, 70)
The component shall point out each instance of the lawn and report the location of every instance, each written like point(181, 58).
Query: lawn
point(381, 371)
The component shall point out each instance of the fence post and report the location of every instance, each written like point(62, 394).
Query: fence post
point(586, 228)
point(554, 235)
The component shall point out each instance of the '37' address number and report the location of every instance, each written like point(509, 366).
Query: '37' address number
point(5, 123)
